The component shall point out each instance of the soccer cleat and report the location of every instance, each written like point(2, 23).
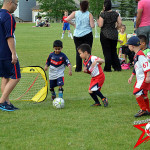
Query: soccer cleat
point(105, 101)
point(4, 106)
point(141, 113)
point(96, 104)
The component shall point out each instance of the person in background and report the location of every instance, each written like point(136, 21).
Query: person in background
point(143, 20)
point(84, 23)
point(66, 25)
point(109, 36)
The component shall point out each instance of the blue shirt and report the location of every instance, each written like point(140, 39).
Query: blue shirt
point(7, 28)
point(57, 63)
point(82, 22)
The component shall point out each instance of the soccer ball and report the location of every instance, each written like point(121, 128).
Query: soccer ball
point(147, 129)
point(58, 103)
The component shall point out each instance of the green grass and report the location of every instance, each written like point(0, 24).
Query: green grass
point(78, 126)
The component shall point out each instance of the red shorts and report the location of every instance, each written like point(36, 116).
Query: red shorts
point(139, 92)
point(97, 82)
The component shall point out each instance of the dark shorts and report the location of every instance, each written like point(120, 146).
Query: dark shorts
point(66, 26)
point(56, 82)
point(9, 70)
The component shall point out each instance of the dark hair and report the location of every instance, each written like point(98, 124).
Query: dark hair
point(84, 4)
point(107, 5)
point(58, 43)
point(142, 38)
point(85, 48)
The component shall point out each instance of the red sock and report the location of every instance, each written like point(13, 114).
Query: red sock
point(147, 104)
point(141, 102)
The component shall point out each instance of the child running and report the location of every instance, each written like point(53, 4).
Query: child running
point(142, 72)
point(92, 65)
point(56, 62)
point(66, 25)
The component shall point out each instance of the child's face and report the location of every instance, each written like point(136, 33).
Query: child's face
point(57, 50)
point(131, 47)
point(66, 13)
point(122, 29)
point(83, 55)
point(143, 45)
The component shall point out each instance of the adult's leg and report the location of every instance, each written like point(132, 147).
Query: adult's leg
point(115, 60)
point(78, 42)
point(106, 47)
point(7, 89)
point(88, 39)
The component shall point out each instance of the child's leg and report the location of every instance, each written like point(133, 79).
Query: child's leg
point(104, 99)
point(63, 34)
point(146, 100)
point(93, 95)
point(70, 34)
point(53, 93)
point(60, 95)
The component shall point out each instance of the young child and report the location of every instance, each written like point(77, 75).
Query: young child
point(56, 62)
point(123, 40)
point(142, 72)
point(92, 65)
point(143, 46)
point(66, 25)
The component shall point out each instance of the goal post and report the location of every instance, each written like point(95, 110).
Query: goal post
point(33, 85)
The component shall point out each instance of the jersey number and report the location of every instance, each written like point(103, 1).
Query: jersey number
point(145, 65)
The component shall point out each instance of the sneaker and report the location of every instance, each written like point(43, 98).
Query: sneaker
point(4, 106)
point(141, 113)
point(96, 104)
point(11, 105)
point(105, 101)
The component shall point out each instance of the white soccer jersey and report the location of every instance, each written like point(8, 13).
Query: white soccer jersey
point(141, 67)
point(94, 71)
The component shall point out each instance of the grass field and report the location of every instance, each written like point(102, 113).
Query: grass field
point(78, 126)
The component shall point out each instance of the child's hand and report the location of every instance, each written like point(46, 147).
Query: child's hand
point(147, 80)
point(46, 67)
point(84, 69)
point(70, 72)
point(121, 41)
point(130, 80)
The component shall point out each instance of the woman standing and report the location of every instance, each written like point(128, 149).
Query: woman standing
point(109, 21)
point(84, 23)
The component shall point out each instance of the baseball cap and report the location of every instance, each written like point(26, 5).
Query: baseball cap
point(134, 40)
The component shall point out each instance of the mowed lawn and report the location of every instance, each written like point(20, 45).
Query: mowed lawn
point(78, 126)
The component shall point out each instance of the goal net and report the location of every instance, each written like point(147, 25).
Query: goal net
point(32, 86)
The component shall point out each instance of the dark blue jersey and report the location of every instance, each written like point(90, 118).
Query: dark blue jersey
point(57, 63)
point(7, 28)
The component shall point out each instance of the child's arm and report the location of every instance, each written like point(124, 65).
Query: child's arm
point(46, 67)
point(98, 60)
point(70, 70)
point(130, 79)
point(147, 80)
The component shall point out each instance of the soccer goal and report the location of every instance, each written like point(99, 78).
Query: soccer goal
point(33, 85)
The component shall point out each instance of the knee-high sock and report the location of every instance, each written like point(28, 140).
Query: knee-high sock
point(147, 104)
point(98, 93)
point(141, 102)
point(93, 95)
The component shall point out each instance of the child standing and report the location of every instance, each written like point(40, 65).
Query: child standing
point(92, 65)
point(142, 72)
point(143, 46)
point(123, 40)
point(56, 62)
point(66, 25)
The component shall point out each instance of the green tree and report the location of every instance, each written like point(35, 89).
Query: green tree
point(55, 8)
point(131, 8)
point(123, 7)
point(95, 7)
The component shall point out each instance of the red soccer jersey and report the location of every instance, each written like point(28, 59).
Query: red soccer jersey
point(64, 17)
